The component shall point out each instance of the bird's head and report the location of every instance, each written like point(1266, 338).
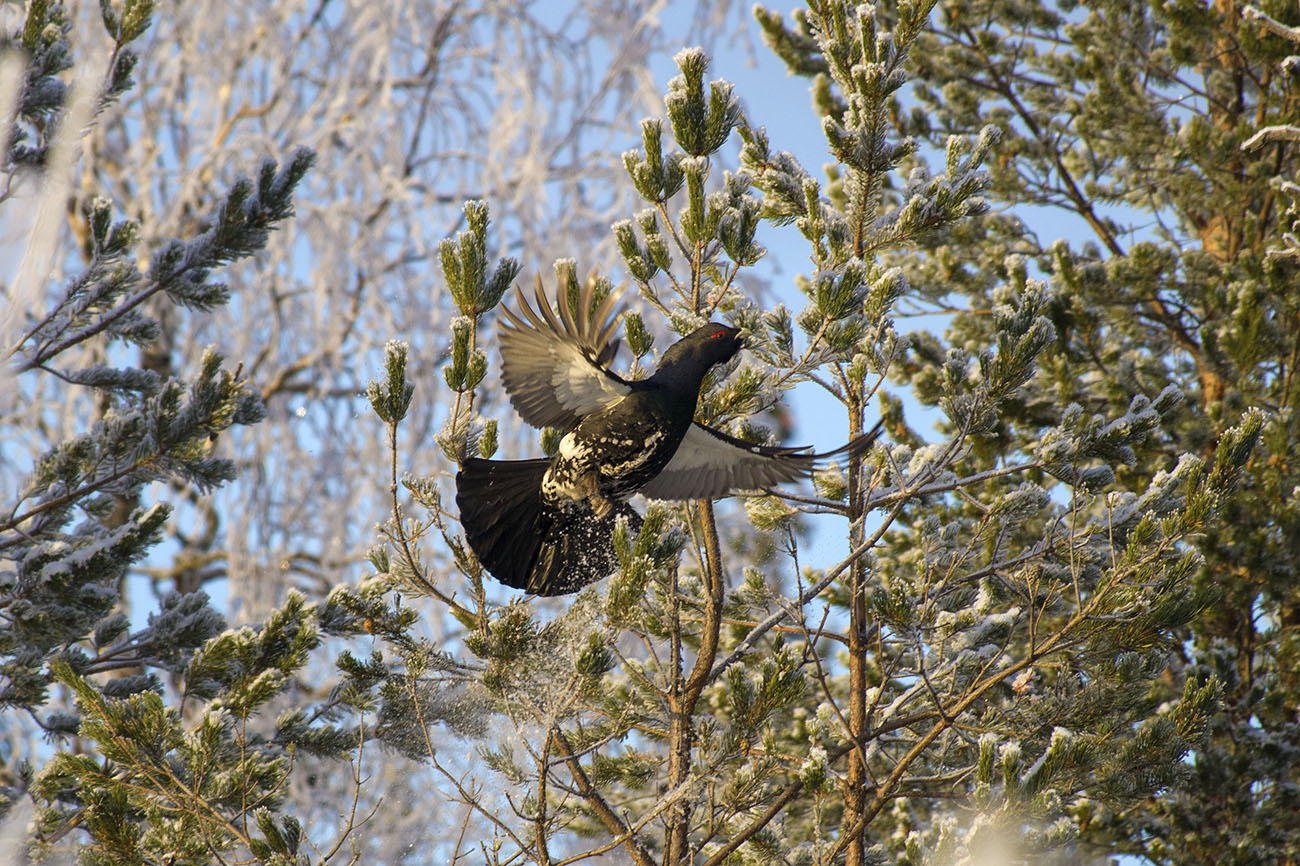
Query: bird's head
point(709, 344)
point(687, 361)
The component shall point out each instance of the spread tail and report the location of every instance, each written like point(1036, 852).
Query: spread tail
point(524, 542)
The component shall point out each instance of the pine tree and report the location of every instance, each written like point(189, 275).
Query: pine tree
point(995, 633)
point(1167, 133)
point(162, 746)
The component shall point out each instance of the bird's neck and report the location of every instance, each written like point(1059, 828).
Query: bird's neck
point(680, 375)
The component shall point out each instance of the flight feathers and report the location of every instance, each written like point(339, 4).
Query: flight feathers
point(556, 367)
point(710, 464)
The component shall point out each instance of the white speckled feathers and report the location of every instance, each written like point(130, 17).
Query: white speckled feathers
point(555, 367)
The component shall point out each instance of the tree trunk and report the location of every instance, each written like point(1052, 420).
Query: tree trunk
point(855, 801)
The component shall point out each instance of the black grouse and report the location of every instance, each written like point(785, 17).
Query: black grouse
point(545, 525)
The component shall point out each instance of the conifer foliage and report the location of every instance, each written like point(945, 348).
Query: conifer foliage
point(151, 756)
point(976, 674)
point(1014, 653)
point(1168, 134)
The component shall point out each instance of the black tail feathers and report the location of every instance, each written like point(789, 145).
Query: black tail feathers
point(524, 542)
point(500, 505)
point(858, 446)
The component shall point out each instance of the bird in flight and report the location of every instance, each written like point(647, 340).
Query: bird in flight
point(545, 525)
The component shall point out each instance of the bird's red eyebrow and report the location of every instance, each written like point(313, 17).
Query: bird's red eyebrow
point(716, 334)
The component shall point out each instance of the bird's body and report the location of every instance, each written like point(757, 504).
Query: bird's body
point(616, 451)
point(612, 453)
point(545, 525)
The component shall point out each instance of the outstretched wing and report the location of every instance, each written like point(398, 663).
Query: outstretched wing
point(709, 464)
point(555, 367)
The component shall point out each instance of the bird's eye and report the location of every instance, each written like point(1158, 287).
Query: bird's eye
point(717, 334)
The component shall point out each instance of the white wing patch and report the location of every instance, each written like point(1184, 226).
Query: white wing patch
point(709, 464)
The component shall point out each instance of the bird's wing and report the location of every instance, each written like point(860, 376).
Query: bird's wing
point(709, 464)
point(555, 367)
